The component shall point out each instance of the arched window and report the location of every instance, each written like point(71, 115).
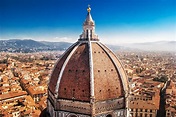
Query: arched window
point(87, 34)
point(109, 115)
point(91, 34)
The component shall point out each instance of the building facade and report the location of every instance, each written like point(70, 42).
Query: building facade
point(88, 80)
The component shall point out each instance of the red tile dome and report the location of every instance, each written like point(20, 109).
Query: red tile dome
point(85, 63)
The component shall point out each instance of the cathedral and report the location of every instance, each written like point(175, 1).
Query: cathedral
point(88, 80)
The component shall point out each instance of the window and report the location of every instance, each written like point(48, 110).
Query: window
point(109, 115)
point(140, 114)
point(145, 115)
point(87, 33)
point(136, 114)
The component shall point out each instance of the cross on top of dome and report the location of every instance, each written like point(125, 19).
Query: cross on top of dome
point(88, 9)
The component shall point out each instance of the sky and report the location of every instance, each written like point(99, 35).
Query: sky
point(117, 21)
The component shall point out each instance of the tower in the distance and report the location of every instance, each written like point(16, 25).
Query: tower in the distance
point(88, 80)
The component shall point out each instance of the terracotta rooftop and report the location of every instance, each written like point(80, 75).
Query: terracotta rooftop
point(140, 104)
point(33, 90)
point(12, 95)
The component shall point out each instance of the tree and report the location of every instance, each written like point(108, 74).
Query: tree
point(161, 79)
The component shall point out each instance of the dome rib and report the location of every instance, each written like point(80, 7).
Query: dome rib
point(57, 68)
point(63, 67)
point(121, 73)
point(75, 80)
point(91, 71)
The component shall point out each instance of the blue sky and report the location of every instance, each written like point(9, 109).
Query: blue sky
point(117, 21)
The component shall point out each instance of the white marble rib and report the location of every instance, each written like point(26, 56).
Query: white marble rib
point(91, 70)
point(122, 78)
point(59, 60)
point(63, 67)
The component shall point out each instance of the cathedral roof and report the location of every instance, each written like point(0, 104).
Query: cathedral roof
point(88, 71)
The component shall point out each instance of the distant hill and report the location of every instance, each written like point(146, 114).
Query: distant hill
point(28, 45)
point(154, 46)
point(57, 45)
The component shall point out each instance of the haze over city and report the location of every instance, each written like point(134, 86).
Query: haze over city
point(117, 21)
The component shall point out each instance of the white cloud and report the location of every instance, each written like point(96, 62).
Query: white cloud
point(64, 39)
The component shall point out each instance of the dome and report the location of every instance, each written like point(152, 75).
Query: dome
point(85, 68)
point(88, 79)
